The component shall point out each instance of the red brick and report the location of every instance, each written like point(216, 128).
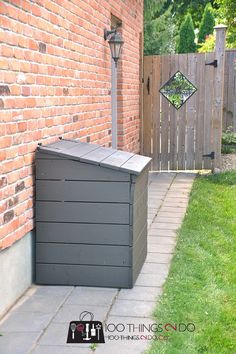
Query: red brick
point(15, 90)
point(36, 10)
point(76, 59)
point(22, 126)
point(32, 44)
point(25, 66)
point(5, 141)
point(25, 90)
point(4, 64)
point(7, 51)
point(13, 177)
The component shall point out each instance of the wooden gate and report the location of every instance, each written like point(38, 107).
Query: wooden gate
point(229, 109)
point(178, 139)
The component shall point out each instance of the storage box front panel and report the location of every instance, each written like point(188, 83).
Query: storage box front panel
point(83, 234)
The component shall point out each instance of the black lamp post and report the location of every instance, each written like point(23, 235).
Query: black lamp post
point(115, 42)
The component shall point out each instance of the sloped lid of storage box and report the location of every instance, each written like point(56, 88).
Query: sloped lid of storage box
point(98, 155)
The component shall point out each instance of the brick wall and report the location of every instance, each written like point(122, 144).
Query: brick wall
point(55, 73)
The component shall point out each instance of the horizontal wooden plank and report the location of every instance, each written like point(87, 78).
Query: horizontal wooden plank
point(97, 155)
point(83, 233)
point(80, 149)
point(83, 212)
point(83, 191)
point(73, 170)
point(117, 159)
point(83, 275)
point(63, 253)
point(63, 144)
point(136, 164)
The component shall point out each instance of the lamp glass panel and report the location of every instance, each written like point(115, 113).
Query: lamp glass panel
point(112, 48)
point(117, 50)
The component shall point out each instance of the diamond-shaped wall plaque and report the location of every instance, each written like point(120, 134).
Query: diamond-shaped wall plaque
point(178, 89)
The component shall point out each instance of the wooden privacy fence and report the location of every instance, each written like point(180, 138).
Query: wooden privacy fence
point(229, 109)
point(178, 139)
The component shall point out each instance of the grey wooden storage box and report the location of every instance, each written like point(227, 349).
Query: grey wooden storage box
point(91, 215)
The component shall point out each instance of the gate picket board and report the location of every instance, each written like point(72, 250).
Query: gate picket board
point(208, 108)
point(229, 112)
point(183, 67)
point(155, 112)
point(147, 107)
point(173, 120)
point(165, 75)
point(200, 82)
point(178, 139)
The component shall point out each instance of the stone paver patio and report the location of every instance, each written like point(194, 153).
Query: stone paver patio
point(38, 323)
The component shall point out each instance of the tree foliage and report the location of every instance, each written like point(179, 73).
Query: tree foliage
point(207, 23)
point(159, 28)
point(194, 7)
point(226, 14)
point(187, 36)
point(208, 45)
point(164, 19)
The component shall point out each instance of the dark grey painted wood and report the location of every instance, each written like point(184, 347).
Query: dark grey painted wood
point(116, 160)
point(69, 149)
point(136, 164)
point(48, 156)
point(83, 275)
point(137, 266)
point(121, 160)
point(97, 155)
point(139, 186)
point(139, 209)
point(91, 215)
point(83, 191)
point(83, 233)
point(138, 226)
point(63, 144)
point(101, 213)
point(80, 150)
point(83, 254)
point(139, 243)
point(73, 170)
point(140, 206)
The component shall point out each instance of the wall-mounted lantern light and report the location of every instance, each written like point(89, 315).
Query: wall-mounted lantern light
point(115, 42)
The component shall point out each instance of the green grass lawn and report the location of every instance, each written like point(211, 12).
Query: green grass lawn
point(201, 287)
